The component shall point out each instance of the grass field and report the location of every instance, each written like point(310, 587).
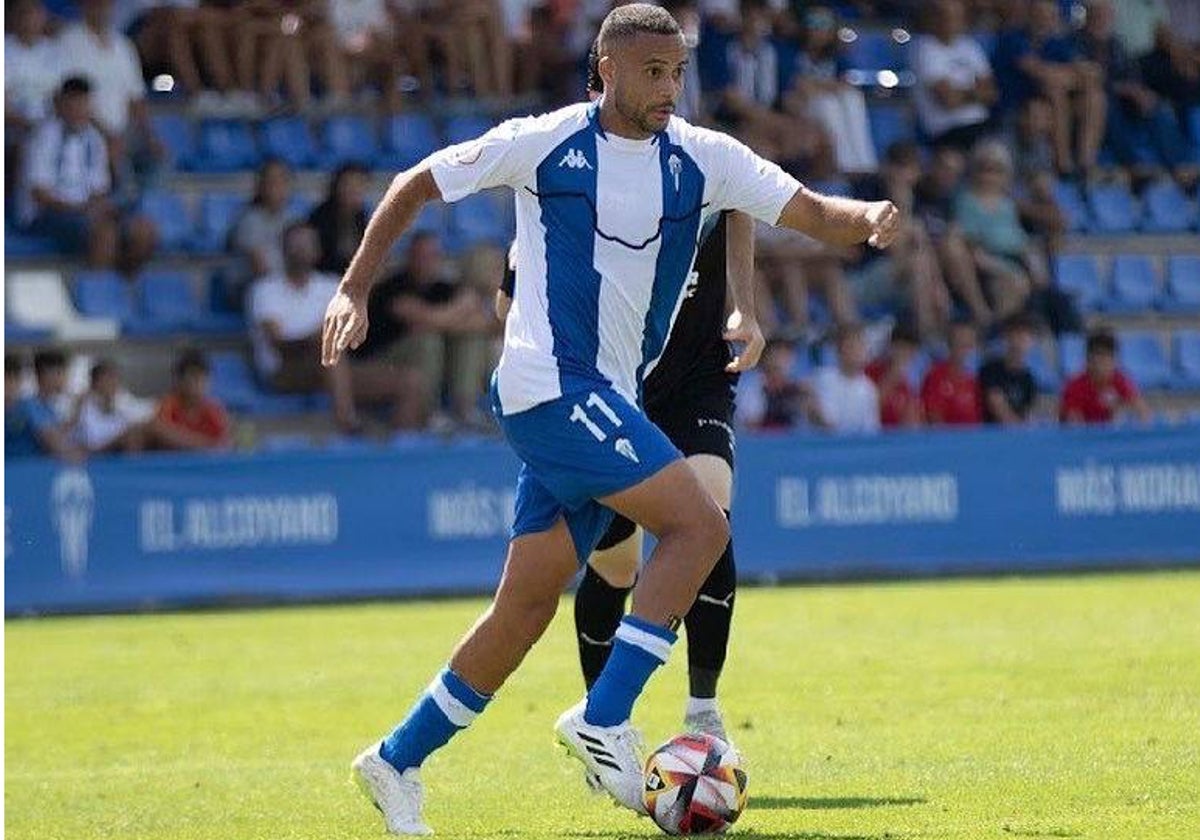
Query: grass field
point(1059, 707)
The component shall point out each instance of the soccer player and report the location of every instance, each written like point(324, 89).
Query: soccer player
point(611, 199)
point(689, 395)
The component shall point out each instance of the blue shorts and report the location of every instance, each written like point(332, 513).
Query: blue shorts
point(577, 449)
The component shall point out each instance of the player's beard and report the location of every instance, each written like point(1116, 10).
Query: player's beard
point(642, 119)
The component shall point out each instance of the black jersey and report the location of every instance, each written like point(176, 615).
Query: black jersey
point(696, 353)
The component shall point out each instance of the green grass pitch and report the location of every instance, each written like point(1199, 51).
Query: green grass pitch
point(1054, 707)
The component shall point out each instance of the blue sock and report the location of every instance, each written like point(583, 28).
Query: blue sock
point(447, 706)
point(639, 647)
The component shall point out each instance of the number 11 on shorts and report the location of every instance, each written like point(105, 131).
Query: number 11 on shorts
point(594, 400)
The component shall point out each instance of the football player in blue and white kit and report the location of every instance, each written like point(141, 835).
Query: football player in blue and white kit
point(611, 198)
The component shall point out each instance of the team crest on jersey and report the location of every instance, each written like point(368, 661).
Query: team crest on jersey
point(624, 447)
point(676, 166)
point(575, 159)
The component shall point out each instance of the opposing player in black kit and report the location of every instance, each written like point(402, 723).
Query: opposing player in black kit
point(690, 396)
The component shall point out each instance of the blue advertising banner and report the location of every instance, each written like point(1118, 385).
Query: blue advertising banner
point(432, 518)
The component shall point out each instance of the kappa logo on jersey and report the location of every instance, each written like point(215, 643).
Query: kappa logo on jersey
point(575, 159)
point(624, 447)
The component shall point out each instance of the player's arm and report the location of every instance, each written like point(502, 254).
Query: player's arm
point(346, 317)
point(742, 326)
point(841, 221)
point(502, 304)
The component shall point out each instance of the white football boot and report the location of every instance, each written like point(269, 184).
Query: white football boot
point(397, 795)
point(611, 755)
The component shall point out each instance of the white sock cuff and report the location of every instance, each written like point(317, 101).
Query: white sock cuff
point(655, 645)
point(700, 705)
point(458, 712)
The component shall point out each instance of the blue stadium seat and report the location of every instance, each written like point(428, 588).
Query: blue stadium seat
point(1168, 209)
point(170, 215)
point(1114, 209)
point(233, 383)
point(480, 218)
point(1194, 128)
point(18, 244)
point(1078, 276)
point(1072, 354)
point(891, 123)
point(219, 212)
point(348, 139)
point(872, 52)
point(15, 333)
point(290, 140)
point(225, 146)
point(103, 294)
point(1070, 201)
point(461, 129)
point(166, 300)
point(300, 205)
point(174, 131)
point(407, 140)
point(1183, 283)
point(1134, 283)
point(1143, 358)
point(1187, 360)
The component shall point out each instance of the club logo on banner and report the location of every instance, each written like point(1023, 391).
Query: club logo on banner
point(72, 504)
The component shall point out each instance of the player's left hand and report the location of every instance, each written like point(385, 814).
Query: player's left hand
point(884, 219)
point(744, 330)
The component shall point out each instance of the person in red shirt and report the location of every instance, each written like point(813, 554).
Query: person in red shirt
point(898, 403)
point(189, 419)
point(950, 392)
point(1097, 393)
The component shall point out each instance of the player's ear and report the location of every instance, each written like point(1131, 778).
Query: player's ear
point(605, 67)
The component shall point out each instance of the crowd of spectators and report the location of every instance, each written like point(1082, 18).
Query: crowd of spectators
point(894, 391)
point(42, 417)
point(1011, 98)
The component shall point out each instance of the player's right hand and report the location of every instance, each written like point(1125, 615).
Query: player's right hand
point(345, 326)
point(884, 219)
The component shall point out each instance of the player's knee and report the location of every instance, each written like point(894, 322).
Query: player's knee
point(712, 531)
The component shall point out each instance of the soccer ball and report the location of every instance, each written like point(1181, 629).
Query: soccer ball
point(695, 784)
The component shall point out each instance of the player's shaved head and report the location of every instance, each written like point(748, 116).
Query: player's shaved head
point(641, 54)
point(626, 22)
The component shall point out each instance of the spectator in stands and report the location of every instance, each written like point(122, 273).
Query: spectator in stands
point(258, 235)
point(1172, 70)
point(364, 34)
point(66, 183)
point(31, 426)
point(1134, 110)
point(1135, 25)
point(1007, 384)
point(93, 48)
point(821, 91)
point(1006, 257)
point(109, 419)
point(847, 401)
point(790, 267)
point(1040, 59)
point(32, 70)
point(290, 38)
point(781, 401)
point(750, 93)
point(907, 278)
point(955, 86)
point(1101, 393)
point(341, 219)
point(899, 406)
point(950, 392)
point(188, 419)
point(286, 313)
point(172, 36)
point(934, 200)
point(424, 322)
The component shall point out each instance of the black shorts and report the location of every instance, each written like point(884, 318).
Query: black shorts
point(699, 421)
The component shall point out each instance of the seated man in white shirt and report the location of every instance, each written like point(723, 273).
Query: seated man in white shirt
point(847, 400)
point(955, 86)
point(110, 419)
point(31, 69)
point(65, 183)
point(287, 311)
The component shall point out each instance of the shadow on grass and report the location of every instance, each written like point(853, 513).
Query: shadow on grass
point(822, 803)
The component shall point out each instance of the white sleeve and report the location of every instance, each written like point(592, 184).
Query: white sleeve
point(506, 156)
point(928, 66)
point(747, 182)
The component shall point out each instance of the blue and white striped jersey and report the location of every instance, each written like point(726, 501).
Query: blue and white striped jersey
point(607, 230)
